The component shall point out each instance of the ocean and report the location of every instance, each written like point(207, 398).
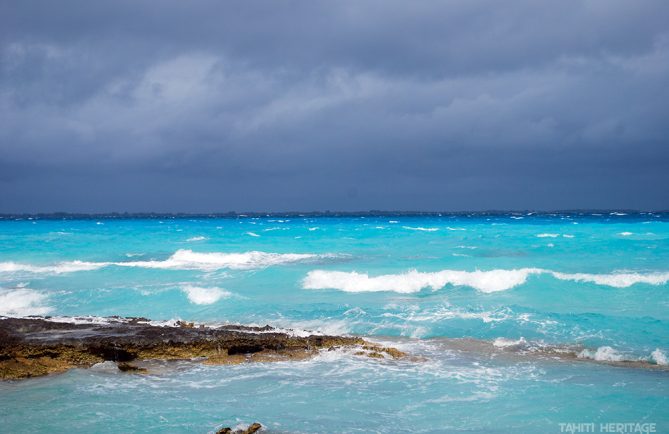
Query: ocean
point(516, 322)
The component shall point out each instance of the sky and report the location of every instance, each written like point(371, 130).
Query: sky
point(351, 105)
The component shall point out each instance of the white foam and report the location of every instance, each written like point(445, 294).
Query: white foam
point(659, 357)
point(414, 281)
point(415, 314)
point(315, 228)
point(484, 281)
point(616, 280)
point(603, 354)
point(199, 295)
point(199, 238)
point(23, 302)
point(62, 267)
point(455, 229)
point(546, 235)
point(182, 259)
point(625, 234)
point(252, 234)
point(189, 260)
point(506, 343)
point(567, 236)
point(411, 228)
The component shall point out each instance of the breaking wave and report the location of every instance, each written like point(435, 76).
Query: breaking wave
point(23, 302)
point(659, 357)
point(414, 281)
point(61, 267)
point(200, 295)
point(181, 260)
point(602, 354)
point(484, 281)
point(616, 280)
point(611, 355)
point(189, 260)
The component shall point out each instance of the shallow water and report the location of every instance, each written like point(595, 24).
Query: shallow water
point(598, 283)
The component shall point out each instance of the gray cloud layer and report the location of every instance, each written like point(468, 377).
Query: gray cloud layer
point(350, 105)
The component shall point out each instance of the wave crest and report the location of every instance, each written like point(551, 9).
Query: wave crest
point(190, 260)
point(23, 302)
point(182, 259)
point(200, 295)
point(414, 281)
point(616, 280)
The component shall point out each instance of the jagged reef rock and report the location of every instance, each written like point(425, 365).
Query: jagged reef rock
point(36, 346)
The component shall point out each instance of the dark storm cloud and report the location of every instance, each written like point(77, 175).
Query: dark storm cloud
point(213, 106)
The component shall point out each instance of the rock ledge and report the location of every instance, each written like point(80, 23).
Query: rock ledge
point(37, 346)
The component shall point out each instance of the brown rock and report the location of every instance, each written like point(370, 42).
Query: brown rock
point(254, 427)
point(35, 346)
point(127, 367)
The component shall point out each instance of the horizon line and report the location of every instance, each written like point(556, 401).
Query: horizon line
point(332, 213)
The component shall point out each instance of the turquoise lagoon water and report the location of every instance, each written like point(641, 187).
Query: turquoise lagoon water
point(456, 290)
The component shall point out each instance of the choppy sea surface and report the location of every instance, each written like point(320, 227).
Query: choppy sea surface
point(522, 322)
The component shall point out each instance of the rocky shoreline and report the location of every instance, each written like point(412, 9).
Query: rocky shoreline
point(31, 347)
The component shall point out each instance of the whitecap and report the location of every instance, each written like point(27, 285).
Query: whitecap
point(23, 302)
point(411, 228)
point(414, 281)
point(659, 357)
point(189, 260)
point(506, 343)
point(616, 280)
point(61, 267)
point(182, 259)
point(200, 295)
point(602, 354)
point(198, 238)
point(547, 235)
point(252, 234)
point(625, 234)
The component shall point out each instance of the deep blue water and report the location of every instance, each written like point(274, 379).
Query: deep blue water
point(595, 285)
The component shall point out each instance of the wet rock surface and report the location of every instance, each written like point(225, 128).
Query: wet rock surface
point(37, 346)
point(253, 428)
